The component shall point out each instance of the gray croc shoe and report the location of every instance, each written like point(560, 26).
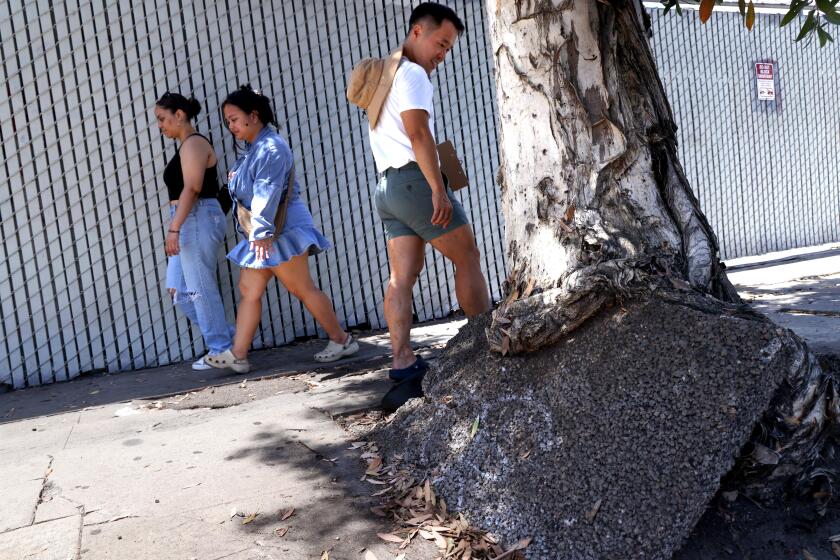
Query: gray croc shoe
point(335, 351)
point(226, 360)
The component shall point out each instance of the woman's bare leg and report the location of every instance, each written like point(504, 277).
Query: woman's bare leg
point(294, 274)
point(252, 283)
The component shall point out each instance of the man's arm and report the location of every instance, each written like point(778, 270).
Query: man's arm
point(416, 123)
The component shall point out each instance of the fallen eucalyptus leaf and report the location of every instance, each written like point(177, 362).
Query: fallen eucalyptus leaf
point(474, 427)
point(389, 537)
point(765, 456)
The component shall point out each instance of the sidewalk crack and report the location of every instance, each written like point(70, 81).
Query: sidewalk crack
point(70, 433)
point(118, 518)
point(44, 486)
point(232, 553)
point(82, 514)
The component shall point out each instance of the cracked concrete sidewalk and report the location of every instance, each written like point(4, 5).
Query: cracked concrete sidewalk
point(169, 463)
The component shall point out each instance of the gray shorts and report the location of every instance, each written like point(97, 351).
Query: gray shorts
point(404, 203)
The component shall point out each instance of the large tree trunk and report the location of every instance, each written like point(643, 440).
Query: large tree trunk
point(621, 376)
point(596, 203)
point(597, 206)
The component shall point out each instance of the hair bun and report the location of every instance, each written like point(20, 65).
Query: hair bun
point(194, 107)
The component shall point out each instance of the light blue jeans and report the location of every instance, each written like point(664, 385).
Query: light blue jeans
point(192, 273)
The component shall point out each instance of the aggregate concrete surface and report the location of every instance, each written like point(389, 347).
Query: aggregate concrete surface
point(607, 445)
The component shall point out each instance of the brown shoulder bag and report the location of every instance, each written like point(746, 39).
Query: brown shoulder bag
point(243, 215)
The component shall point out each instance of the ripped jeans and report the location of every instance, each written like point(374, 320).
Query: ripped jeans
point(192, 273)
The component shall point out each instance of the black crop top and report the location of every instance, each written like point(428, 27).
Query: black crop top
point(174, 177)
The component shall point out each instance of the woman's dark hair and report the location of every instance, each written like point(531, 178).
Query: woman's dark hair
point(250, 101)
point(173, 101)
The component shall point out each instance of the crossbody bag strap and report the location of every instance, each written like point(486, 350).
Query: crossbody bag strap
point(243, 215)
point(280, 218)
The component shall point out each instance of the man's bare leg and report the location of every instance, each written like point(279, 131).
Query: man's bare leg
point(405, 255)
point(470, 286)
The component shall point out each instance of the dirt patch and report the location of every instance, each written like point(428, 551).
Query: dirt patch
point(744, 530)
point(795, 528)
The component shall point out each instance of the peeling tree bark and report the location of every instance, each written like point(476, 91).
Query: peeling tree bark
point(598, 208)
point(597, 204)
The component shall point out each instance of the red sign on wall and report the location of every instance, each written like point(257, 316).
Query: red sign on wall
point(764, 81)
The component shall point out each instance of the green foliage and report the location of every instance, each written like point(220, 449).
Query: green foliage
point(820, 15)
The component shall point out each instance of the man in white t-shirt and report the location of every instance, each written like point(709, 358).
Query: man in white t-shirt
point(412, 199)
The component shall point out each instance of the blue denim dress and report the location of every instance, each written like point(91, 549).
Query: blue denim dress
point(257, 180)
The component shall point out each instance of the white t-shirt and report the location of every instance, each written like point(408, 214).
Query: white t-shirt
point(411, 89)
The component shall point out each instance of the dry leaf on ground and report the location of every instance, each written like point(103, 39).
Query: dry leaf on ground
point(389, 537)
point(521, 545)
point(374, 464)
point(427, 492)
point(281, 531)
point(288, 514)
point(250, 518)
point(416, 510)
point(383, 491)
point(474, 427)
point(370, 555)
point(807, 554)
point(325, 555)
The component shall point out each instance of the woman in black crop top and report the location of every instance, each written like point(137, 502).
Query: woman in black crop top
point(197, 224)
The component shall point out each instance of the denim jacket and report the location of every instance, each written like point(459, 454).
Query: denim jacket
point(258, 180)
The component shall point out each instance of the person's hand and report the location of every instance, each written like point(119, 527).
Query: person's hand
point(443, 209)
point(262, 248)
point(172, 247)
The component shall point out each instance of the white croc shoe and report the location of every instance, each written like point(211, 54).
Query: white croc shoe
point(226, 360)
point(335, 351)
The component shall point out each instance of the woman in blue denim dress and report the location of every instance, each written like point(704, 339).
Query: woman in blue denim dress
point(258, 181)
point(197, 224)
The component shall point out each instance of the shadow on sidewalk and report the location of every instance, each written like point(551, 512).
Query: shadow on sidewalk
point(335, 515)
point(155, 383)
